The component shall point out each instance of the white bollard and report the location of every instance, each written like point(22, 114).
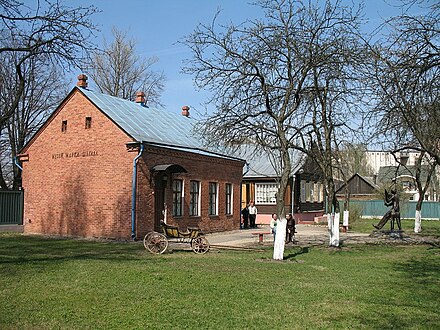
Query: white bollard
point(345, 220)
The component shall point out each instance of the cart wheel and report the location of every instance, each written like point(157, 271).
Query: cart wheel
point(200, 245)
point(155, 242)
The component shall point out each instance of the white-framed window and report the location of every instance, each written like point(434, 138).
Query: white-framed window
point(228, 193)
point(265, 193)
point(213, 198)
point(310, 187)
point(194, 201)
point(316, 192)
point(320, 192)
point(177, 198)
point(307, 186)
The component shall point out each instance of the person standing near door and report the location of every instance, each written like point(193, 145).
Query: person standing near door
point(252, 214)
point(273, 225)
point(245, 216)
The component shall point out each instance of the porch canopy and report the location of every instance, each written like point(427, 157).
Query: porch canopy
point(169, 168)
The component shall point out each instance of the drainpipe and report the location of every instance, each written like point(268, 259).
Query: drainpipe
point(292, 197)
point(133, 194)
point(241, 188)
point(17, 163)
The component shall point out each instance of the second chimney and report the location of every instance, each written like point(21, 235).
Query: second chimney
point(140, 98)
point(82, 81)
point(185, 111)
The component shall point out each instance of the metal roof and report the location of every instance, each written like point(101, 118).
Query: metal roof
point(388, 173)
point(199, 151)
point(145, 123)
point(153, 126)
point(259, 164)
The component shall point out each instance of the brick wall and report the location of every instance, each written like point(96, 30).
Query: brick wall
point(79, 182)
point(199, 168)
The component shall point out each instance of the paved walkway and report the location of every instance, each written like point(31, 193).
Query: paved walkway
point(306, 235)
point(310, 235)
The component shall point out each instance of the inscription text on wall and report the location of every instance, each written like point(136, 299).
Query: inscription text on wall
point(74, 154)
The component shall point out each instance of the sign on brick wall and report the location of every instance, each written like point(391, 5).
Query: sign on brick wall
point(74, 154)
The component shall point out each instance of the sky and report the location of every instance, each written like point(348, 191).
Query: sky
point(158, 25)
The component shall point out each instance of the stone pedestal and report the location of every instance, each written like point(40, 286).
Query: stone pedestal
point(392, 234)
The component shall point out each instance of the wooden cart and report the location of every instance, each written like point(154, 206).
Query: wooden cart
point(158, 242)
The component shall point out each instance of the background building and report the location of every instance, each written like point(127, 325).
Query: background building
point(402, 169)
point(304, 196)
point(378, 159)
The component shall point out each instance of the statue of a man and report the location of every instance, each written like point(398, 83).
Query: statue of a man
point(391, 199)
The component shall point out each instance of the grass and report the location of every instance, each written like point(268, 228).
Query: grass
point(79, 284)
point(429, 227)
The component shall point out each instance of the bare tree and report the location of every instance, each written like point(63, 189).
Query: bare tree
point(353, 159)
point(422, 187)
point(350, 159)
point(45, 33)
point(118, 71)
point(4, 160)
point(406, 79)
point(49, 29)
point(422, 172)
point(44, 89)
point(286, 82)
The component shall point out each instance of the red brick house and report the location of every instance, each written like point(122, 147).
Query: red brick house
point(106, 167)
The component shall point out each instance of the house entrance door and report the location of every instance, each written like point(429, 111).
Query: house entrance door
point(163, 175)
point(160, 208)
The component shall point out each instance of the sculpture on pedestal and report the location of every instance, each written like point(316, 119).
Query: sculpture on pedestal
point(393, 214)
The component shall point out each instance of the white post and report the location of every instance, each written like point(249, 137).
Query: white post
point(335, 241)
point(418, 222)
point(345, 220)
point(280, 238)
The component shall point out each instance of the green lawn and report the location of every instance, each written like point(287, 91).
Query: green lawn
point(79, 284)
point(429, 227)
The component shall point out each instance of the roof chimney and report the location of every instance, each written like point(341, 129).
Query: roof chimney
point(185, 111)
point(140, 98)
point(82, 81)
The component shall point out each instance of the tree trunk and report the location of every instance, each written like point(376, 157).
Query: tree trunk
point(422, 190)
point(418, 222)
point(346, 208)
point(334, 214)
point(280, 239)
point(418, 218)
point(280, 236)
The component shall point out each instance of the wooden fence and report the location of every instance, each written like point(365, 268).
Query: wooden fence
point(376, 209)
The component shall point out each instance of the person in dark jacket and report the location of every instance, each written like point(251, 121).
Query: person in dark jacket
point(245, 216)
point(290, 228)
